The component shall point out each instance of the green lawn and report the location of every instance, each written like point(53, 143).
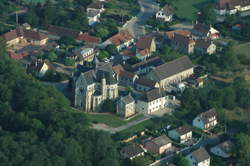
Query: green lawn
point(139, 127)
point(110, 119)
point(187, 9)
point(238, 115)
point(242, 49)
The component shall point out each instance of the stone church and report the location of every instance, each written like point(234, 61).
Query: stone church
point(94, 84)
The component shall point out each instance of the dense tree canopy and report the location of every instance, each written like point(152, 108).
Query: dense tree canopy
point(37, 128)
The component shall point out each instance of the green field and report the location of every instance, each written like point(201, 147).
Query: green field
point(187, 9)
point(242, 49)
point(110, 119)
point(139, 127)
point(33, 1)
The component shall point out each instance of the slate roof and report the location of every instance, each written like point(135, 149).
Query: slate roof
point(203, 28)
point(200, 154)
point(203, 43)
point(226, 146)
point(167, 10)
point(95, 5)
point(174, 67)
point(145, 82)
point(127, 74)
point(152, 95)
point(182, 39)
point(132, 150)
point(127, 99)
point(205, 116)
point(61, 31)
point(183, 129)
point(152, 62)
point(95, 75)
point(144, 42)
point(92, 13)
point(161, 140)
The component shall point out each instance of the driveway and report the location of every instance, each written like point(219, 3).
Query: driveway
point(104, 127)
point(136, 25)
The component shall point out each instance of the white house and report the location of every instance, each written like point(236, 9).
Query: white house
point(181, 134)
point(224, 7)
point(94, 11)
point(223, 149)
point(199, 157)
point(152, 101)
point(205, 120)
point(165, 14)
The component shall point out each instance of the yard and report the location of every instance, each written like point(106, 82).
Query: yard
point(187, 9)
point(242, 49)
point(110, 119)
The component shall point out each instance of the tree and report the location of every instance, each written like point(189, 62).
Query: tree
point(111, 49)
point(108, 106)
point(69, 61)
point(141, 161)
point(67, 40)
point(243, 148)
point(181, 161)
point(51, 56)
point(103, 54)
point(207, 14)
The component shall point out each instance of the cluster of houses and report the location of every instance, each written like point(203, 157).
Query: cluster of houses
point(166, 144)
point(229, 7)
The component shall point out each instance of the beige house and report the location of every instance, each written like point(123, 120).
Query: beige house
point(126, 106)
point(145, 46)
point(205, 46)
point(172, 72)
point(22, 35)
point(182, 43)
point(224, 7)
point(159, 145)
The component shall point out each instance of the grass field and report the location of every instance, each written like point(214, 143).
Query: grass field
point(33, 1)
point(139, 127)
point(242, 49)
point(187, 9)
point(110, 119)
point(238, 115)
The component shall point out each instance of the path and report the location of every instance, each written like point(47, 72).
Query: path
point(104, 127)
point(136, 25)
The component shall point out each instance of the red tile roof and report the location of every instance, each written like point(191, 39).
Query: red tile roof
point(120, 38)
point(89, 39)
point(15, 56)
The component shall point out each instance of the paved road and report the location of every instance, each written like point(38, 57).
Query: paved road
point(136, 25)
point(101, 126)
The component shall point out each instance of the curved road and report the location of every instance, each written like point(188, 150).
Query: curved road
point(136, 26)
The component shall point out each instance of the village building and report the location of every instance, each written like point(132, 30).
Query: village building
point(204, 46)
point(88, 39)
point(223, 149)
point(159, 145)
point(181, 134)
point(85, 54)
point(203, 31)
point(182, 43)
point(145, 46)
point(144, 84)
point(206, 120)
point(144, 67)
point(199, 157)
point(55, 32)
point(93, 85)
point(229, 7)
point(126, 106)
point(165, 14)
point(172, 72)
point(127, 78)
point(40, 67)
point(152, 101)
point(132, 151)
point(121, 40)
point(22, 35)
